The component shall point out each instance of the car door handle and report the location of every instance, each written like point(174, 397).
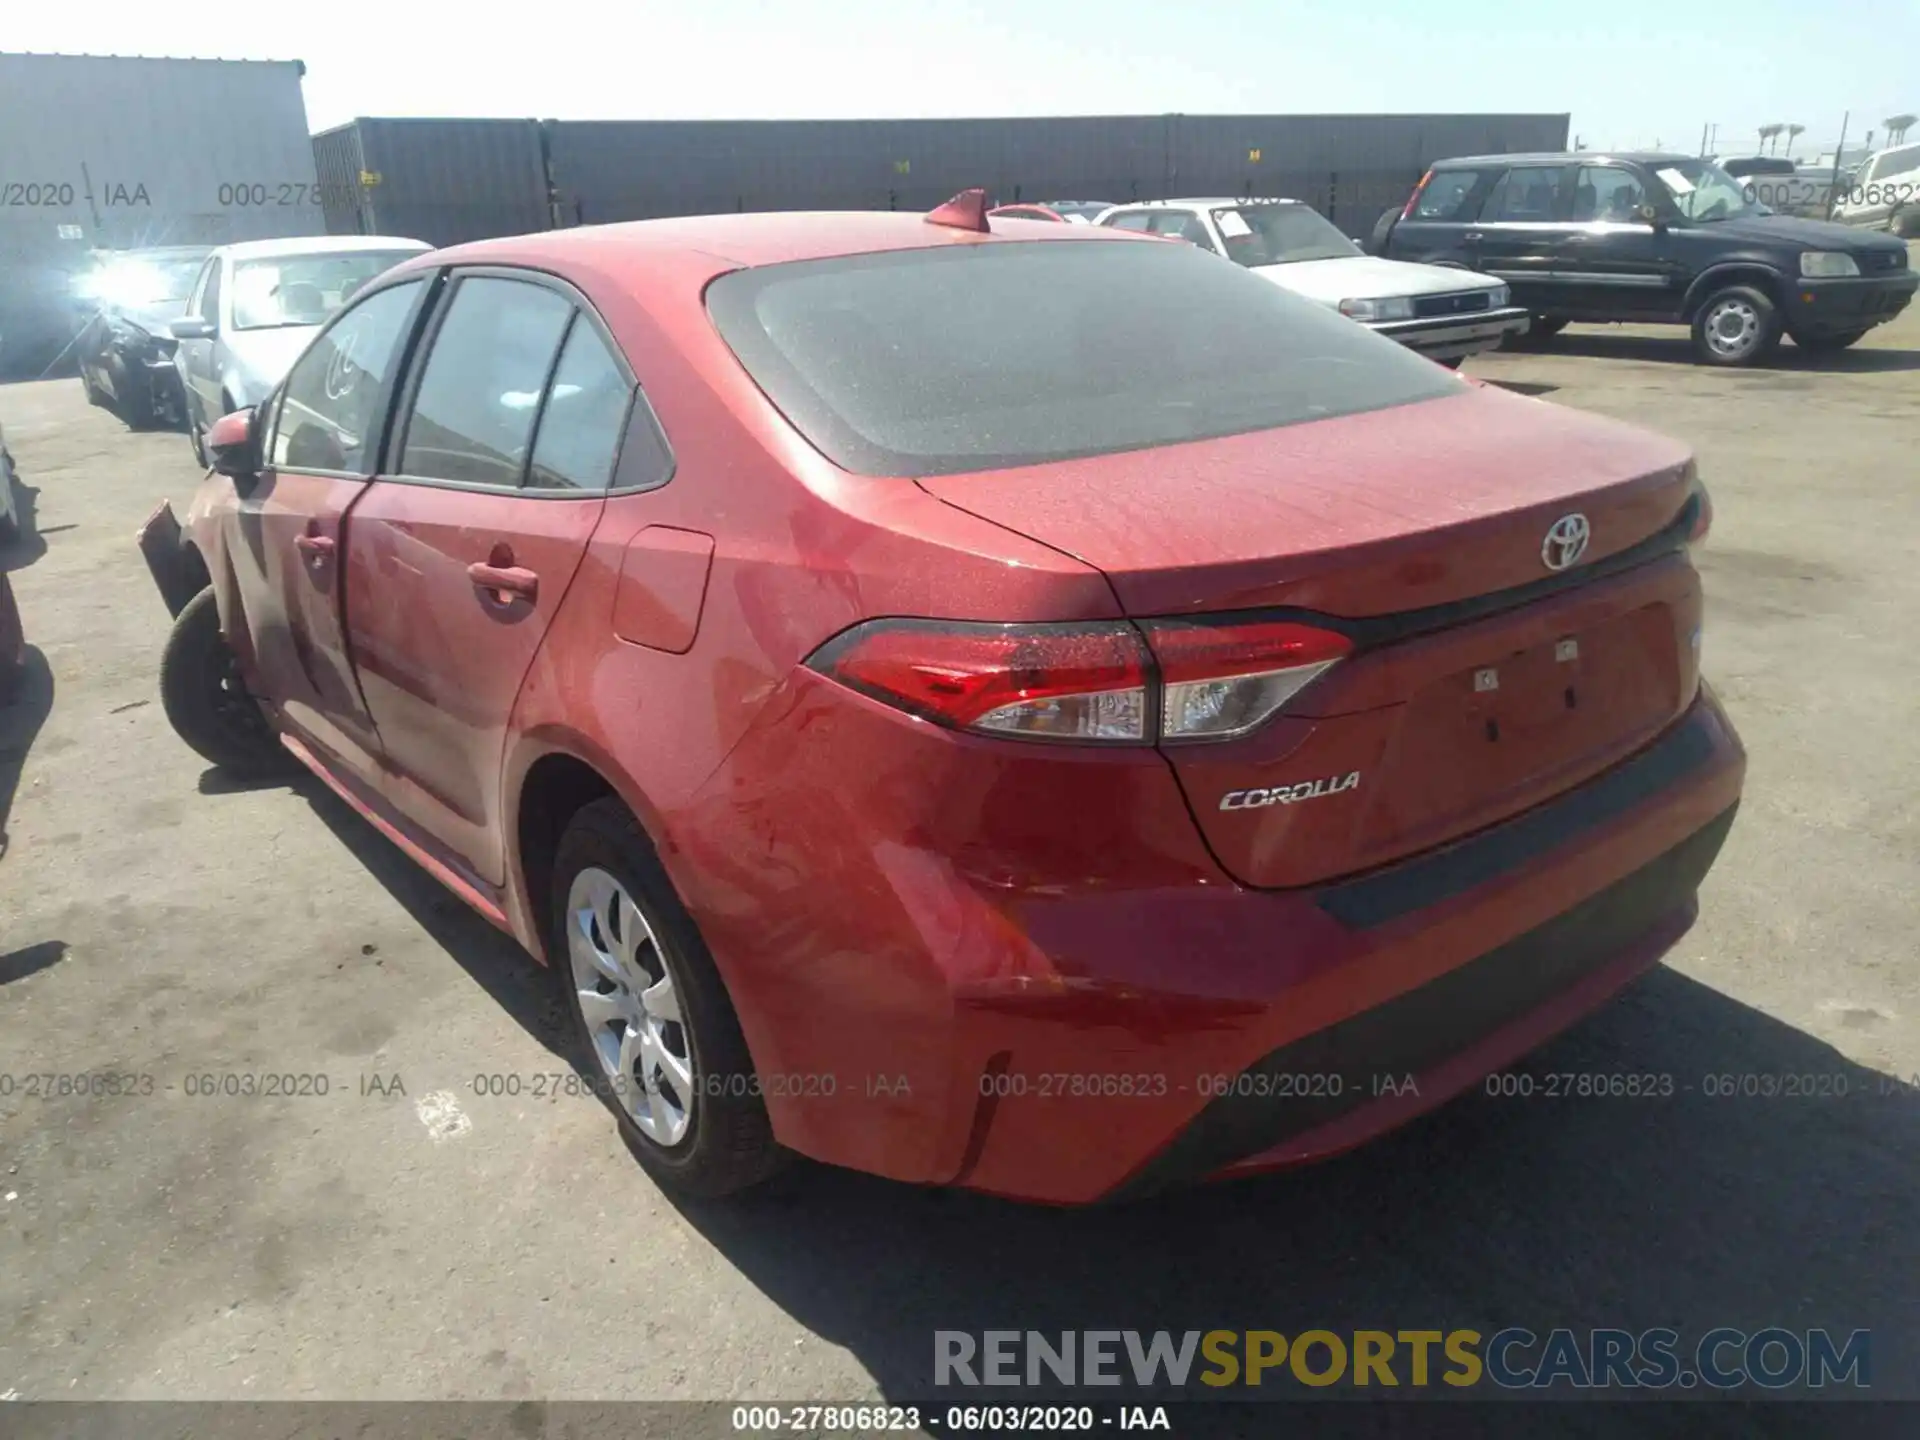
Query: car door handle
point(1474, 235)
point(508, 579)
point(315, 547)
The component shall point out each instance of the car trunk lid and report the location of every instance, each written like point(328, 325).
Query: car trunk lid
point(1482, 678)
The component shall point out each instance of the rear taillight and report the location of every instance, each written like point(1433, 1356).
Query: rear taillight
point(1042, 682)
point(1223, 680)
point(1092, 682)
point(1407, 209)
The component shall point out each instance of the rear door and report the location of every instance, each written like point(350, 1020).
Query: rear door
point(1608, 260)
point(463, 549)
point(1436, 226)
point(1521, 226)
point(322, 434)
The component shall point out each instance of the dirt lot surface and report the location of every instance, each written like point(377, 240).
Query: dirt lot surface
point(405, 1236)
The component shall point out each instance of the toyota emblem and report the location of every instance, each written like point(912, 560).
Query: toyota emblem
point(1566, 541)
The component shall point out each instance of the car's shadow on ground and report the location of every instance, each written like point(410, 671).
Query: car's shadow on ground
point(1677, 349)
point(1693, 1211)
point(21, 716)
point(29, 544)
point(519, 984)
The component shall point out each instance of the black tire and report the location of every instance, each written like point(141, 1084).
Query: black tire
point(1758, 324)
point(207, 703)
point(197, 438)
point(1545, 327)
point(1827, 344)
point(1452, 362)
point(729, 1144)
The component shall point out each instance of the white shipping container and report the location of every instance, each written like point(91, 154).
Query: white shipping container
point(119, 152)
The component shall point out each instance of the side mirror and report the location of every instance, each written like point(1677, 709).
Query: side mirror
point(192, 327)
point(234, 448)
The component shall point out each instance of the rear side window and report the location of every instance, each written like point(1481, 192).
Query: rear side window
point(1446, 195)
point(1139, 220)
point(584, 415)
point(1525, 194)
point(474, 410)
point(983, 356)
point(1897, 162)
point(1182, 225)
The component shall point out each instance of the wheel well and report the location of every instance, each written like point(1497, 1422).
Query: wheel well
point(1757, 276)
point(553, 793)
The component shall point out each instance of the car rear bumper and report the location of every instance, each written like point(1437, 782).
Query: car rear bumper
point(1443, 337)
point(938, 1016)
point(1816, 307)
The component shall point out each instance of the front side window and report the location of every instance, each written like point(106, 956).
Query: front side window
point(331, 415)
point(585, 412)
point(478, 397)
point(303, 289)
point(210, 303)
point(979, 357)
point(1526, 194)
point(1446, 194)
point(1280, 235)
point(1703, 192)
point(1607, 193)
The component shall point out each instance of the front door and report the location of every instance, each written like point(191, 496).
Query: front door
point(461, 555)
point(1609, 260)
point(321, 434)
point(1518, 233)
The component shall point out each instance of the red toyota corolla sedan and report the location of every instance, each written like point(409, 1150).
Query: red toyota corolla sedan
point(990, 703)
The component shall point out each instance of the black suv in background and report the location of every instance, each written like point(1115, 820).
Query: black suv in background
point(1651, 239)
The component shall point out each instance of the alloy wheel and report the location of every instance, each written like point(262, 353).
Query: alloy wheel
point(626, 994)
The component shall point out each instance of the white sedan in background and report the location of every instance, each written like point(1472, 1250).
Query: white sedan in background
point(254, 307)
point(1443, 313)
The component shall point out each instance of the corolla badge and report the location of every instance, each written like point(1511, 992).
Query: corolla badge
point(1289, 794)
point(1566, 541)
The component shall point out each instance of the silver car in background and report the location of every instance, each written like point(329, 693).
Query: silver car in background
point(255, 306)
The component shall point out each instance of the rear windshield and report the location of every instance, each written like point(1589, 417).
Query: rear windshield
point(983, 356)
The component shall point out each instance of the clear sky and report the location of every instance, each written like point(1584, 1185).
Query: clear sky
point(1631, 72)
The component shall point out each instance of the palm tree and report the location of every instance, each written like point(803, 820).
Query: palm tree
point(1793, 133)
point(1897, 127)
point(1769, 132)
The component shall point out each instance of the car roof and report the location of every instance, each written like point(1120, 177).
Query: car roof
point(1566, 157)
point(729, 242)
point(319, 245)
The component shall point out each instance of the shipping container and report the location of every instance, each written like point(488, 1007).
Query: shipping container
point(114, 153)
point(442, 181)
point(446, 181)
